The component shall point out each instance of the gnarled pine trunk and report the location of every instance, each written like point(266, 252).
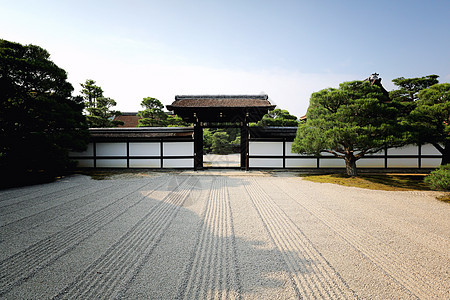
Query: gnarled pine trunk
point(350, 164)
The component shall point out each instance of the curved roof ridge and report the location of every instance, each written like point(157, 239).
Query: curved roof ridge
point(261, 97)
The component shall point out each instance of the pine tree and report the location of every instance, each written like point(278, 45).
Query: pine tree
point(98, 108)
point(40, 121)
point(349, 122)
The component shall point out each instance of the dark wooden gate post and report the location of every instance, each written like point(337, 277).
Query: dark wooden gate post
point(244, 146)
point(198, 146)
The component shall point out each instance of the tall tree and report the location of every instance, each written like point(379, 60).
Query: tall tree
point(91, 92)
point(40, 121)
point(98, 108)
point(153, 114)
point(409, 88)
point(278, 118)
point(430, 119)
point(406, 97)
point(349, 122)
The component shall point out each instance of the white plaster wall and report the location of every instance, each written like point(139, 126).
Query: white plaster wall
point(111, 163)
point(178, 149)
point(266, 162)
point(111, 149)
point(429, 149)
point(179, 163)
point(403, 162)
point(145, 149)
point(332, 163)
point(266, 148)
point(370, 163)
point(407, 150)
point(301, 163)
point(256, 148)
point(289, 150)
point(145, 163)
point(431, 162)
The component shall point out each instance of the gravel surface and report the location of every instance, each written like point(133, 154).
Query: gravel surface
point(217, 161)
point(210, 235)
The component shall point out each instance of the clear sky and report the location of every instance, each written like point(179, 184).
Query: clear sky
point(286, 49)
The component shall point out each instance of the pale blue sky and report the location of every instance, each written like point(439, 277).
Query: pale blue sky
point(287, 49)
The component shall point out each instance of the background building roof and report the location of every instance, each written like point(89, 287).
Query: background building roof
point(129, 119)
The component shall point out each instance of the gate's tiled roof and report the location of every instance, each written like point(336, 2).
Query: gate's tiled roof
point(232, 101)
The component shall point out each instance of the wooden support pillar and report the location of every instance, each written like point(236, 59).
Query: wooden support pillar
point(128, 154)
point(244, 146)
point(94, 145)
point(419, 163)
point(161, 152)
point(385, 157)
point(198, 146)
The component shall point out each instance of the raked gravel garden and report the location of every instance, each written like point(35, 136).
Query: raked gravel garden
point(221, 235)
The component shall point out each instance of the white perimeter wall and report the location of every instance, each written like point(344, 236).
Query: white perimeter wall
point(263, 154)
point(376, 160)
point(141, 155)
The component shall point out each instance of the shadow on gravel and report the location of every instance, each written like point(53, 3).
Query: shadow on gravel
point(216, 263)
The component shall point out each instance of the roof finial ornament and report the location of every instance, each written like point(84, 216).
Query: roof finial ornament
point(374, 79)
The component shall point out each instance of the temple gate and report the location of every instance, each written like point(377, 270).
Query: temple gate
point(221, 111)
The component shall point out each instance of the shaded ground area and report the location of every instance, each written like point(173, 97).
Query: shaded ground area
point(232, 234)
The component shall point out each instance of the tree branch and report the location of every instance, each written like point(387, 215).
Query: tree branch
point(334, 153)
point(370, 151)
point(361, 154)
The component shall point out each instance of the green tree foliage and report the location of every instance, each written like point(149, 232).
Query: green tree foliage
point(423, 104)
point(221, 143)
point(349, 122)
point(278, 118)
point(40, 121)
point(409, 88)
point(231, 138)
point(91, 92)
point(430, 119)
point(207, 140)
point(98, 108)
point(176, 121)
point(405, 96)
point(236, 142)
point(154, 116)
point(439, 179)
